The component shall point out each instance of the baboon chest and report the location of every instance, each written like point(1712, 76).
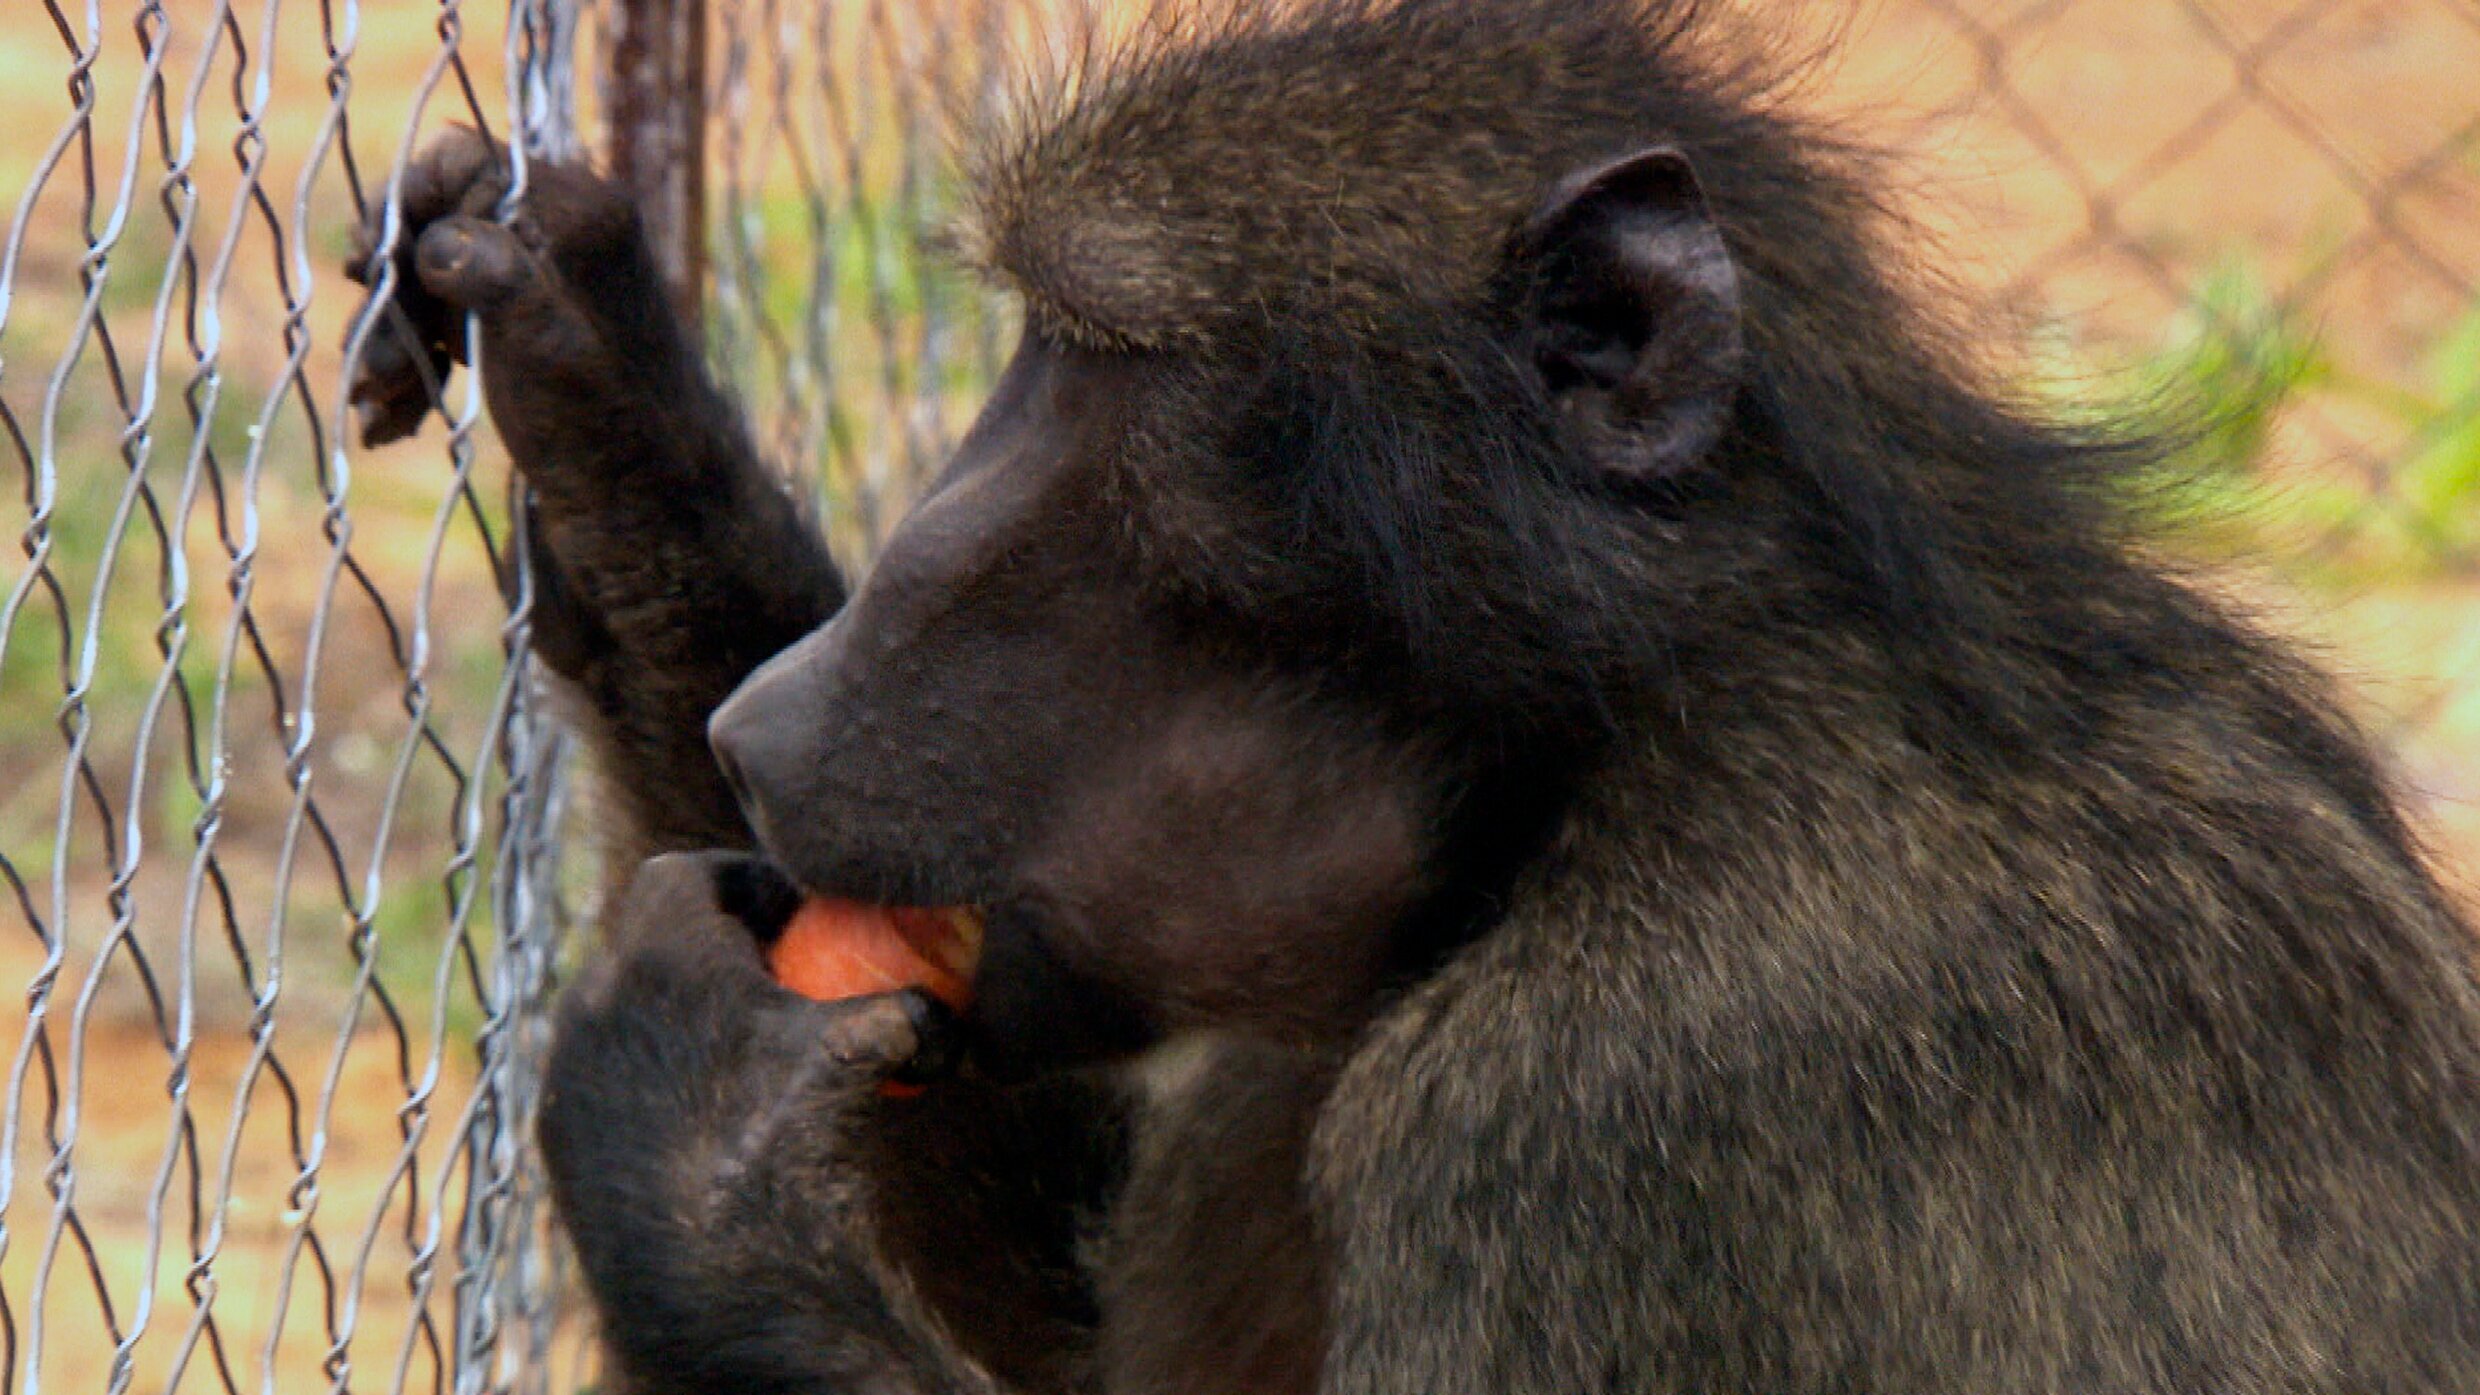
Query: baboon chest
point(1215, 1280)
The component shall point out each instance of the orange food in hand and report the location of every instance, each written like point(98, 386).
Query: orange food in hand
point(833, 949)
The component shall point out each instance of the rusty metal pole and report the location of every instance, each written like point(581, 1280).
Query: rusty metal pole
point(656, 81)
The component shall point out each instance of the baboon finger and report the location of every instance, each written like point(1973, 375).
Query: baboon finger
point(473, 264)
point(461, 172)
point(397, 380)
point(907, 1037)
point(394, 348)
point(389, 411)
point(681, 915)
point(458, 169)
point(564, 205)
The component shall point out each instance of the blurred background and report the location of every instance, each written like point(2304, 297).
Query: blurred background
point(281, 872)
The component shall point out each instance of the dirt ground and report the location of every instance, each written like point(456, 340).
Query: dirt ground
point(2083, 165)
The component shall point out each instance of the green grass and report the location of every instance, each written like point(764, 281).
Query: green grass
point(2440, 481)
point(2225, 373)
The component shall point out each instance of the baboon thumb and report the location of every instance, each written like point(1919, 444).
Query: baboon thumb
point(471, 263)
point(861, 1045)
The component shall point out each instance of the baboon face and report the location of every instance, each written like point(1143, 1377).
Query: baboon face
point(1144, 675)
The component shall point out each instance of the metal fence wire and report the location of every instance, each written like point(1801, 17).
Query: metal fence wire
point(278, 799)
point(282, 815)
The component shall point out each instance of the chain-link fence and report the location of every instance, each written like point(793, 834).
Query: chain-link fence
point(278, 804)
point(275, 812)
point(2268, 211)
point(2267, 174)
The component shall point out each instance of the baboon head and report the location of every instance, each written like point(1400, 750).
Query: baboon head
point(1389, 413)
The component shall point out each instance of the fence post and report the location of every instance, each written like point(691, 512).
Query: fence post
point(656, 63)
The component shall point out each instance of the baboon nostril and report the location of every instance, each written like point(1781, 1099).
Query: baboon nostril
point(764, 735)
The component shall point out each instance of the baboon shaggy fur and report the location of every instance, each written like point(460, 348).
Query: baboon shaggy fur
point(1571, 795)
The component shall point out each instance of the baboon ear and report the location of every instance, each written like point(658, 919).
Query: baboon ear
point(1633, 312)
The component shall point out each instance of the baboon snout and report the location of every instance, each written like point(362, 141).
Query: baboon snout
point(764, 735)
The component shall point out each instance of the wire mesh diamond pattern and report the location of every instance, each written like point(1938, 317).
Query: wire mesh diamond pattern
point(278, 830)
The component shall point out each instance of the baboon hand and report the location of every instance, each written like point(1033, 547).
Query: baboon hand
point(685, 984)
point(558, 278)
point(701, 1127)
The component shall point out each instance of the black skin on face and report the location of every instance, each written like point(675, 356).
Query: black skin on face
point(1568, 802)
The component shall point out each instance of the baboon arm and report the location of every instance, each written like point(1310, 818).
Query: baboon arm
point(964, 1280)
point(654, 606)
point(1490, 1171)
point(669, 561)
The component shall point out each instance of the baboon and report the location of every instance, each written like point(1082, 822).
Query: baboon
point(1569, 792)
